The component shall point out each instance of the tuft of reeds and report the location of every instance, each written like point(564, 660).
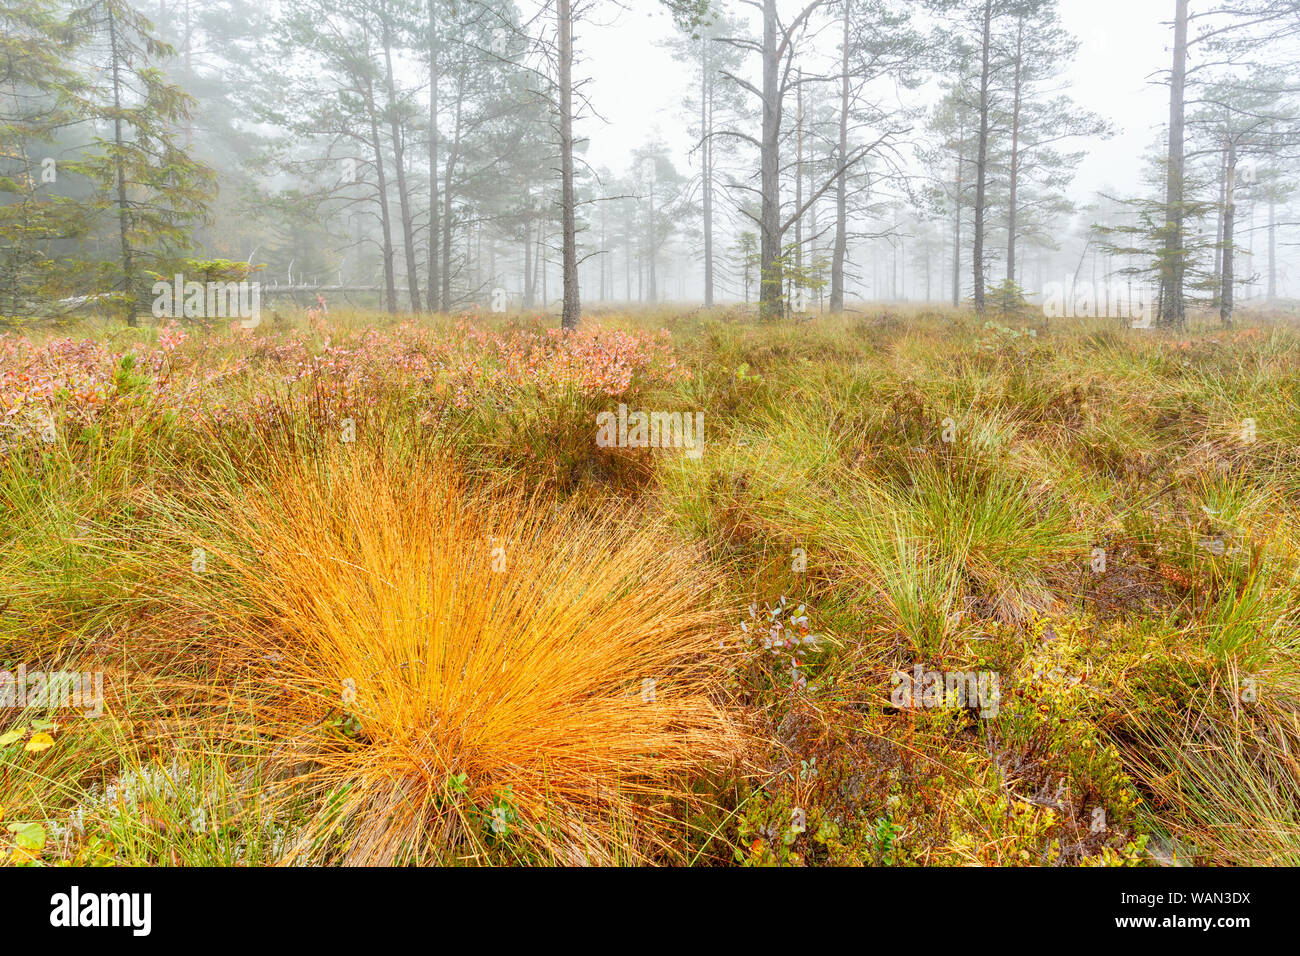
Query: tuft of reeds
point(462, 671)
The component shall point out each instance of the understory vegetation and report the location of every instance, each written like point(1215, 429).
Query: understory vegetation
point(371, 592)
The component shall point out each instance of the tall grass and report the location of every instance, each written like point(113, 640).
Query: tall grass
point(505, 653)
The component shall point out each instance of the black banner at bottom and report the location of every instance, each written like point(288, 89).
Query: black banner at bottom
point(338, 906)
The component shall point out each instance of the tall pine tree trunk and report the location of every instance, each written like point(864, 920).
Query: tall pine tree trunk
point(841, 182)
point(453, 156)
point(956, 226)
point(572, 309)
point(706, 166)
point(399, 172)
point(1013, 172)
point(771, 275)
point(431, 278)
point(1172, 307)
point(981, 158)
point(1272, 248)
point(381, 181)
point(798, 181)
point(123, 213)
point(528, 259)
point(1229, 215)
point(1218, 225)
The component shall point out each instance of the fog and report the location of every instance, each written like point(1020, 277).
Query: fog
point(411, 154)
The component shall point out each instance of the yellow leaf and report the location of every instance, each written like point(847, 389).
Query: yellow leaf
point(12, 736)
point(23, 855)
point(38, 743)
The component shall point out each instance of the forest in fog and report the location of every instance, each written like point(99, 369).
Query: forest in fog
point(432, 155)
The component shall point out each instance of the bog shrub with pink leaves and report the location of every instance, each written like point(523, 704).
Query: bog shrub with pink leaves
point(525, 395)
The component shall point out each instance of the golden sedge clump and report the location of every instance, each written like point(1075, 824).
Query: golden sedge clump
point(463, 669)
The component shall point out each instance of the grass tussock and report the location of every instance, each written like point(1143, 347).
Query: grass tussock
point(461, 669)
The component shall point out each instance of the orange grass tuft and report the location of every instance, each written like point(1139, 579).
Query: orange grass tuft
point(408, 627)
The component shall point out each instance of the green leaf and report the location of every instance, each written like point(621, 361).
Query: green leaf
point(28, 836)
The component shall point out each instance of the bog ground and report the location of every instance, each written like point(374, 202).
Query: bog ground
point(931, 590)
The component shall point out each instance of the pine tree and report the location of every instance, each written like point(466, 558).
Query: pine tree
point(144, 178)
point(36, 89)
